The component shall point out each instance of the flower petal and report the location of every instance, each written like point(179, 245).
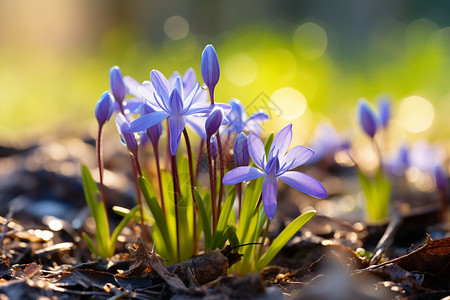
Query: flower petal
point(256, 150)
point(132, 86)
point(259, 116)
point(197, 124)
point(297, 156)
point(189, 80)
point(187, 103)
point(147, 92)
point(241, 174)
point(144, 122)
point(269, 195)
point(281, 142)
point(304, 183)
point(176, 127)
point(199, 108)
point(175, 103)
point(161, 85)
point(178, 85)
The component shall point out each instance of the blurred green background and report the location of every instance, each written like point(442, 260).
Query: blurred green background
point(308, 61)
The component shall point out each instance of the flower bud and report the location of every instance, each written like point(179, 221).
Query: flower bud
point(240, 150)
point(104, 108)
point(116, 84)
point(155, 131)
point(384, 107)
point(210, 67)
point(127, 138)
point(367, 119)
point(214, 120)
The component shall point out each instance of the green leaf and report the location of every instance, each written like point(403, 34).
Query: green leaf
point(232, 236)
point(90, 244)
point(205, 220)
point(160, 219)
point(377, 191)
point(98, 211)
point(283, 238)
point(251, 197)
point(120, 227)
point(223, 219)
point(122, 211)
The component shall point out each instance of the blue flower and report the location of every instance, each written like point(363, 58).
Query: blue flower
point(104, 108)
point(210, 69)
point(240, 150)
point(170, 103)
point(239, 122)
point(154, 132)
point(214, 121)
point(117, 85)
point(367, 118)
point(384, 108)
point(127, 138)
point(276, 167)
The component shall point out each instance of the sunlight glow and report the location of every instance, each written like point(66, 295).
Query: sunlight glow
point(291, 102)
point(416, 114)
point(241, 69)
point(176, 28)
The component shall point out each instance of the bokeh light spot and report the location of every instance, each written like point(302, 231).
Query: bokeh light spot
point(291, 102)
point(416, 114)
point(310, 40)
point(176, 28)
point(241, 69)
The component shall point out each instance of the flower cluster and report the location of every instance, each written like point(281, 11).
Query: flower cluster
point(144, 109)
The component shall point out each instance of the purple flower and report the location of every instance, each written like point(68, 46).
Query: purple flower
point(153, 133)
point(239, 122)
point(104, 108)
point(440, 177)
point(240, 150)
point(384, 107)
point(171, 103)
point(117, 85)
point(214, 120)
point(276, 167)
point(127, 138)
point(367, 118)
point(210, 68)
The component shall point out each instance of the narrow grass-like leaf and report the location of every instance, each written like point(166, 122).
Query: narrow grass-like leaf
point(232, 236)
point(223, 219)
point(120, 227)
point(122, 211)
point(147, 191)
point(283, 238)
point(90, 244)
point(205, 220)
point(98, 212)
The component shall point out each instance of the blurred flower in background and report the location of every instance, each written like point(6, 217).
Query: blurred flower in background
point(300, 62)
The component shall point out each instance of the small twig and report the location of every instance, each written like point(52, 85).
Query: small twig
point(387, 238)
point(171, 279)
point(5, 228)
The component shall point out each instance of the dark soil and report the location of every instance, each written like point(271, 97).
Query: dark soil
point(41, 183)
